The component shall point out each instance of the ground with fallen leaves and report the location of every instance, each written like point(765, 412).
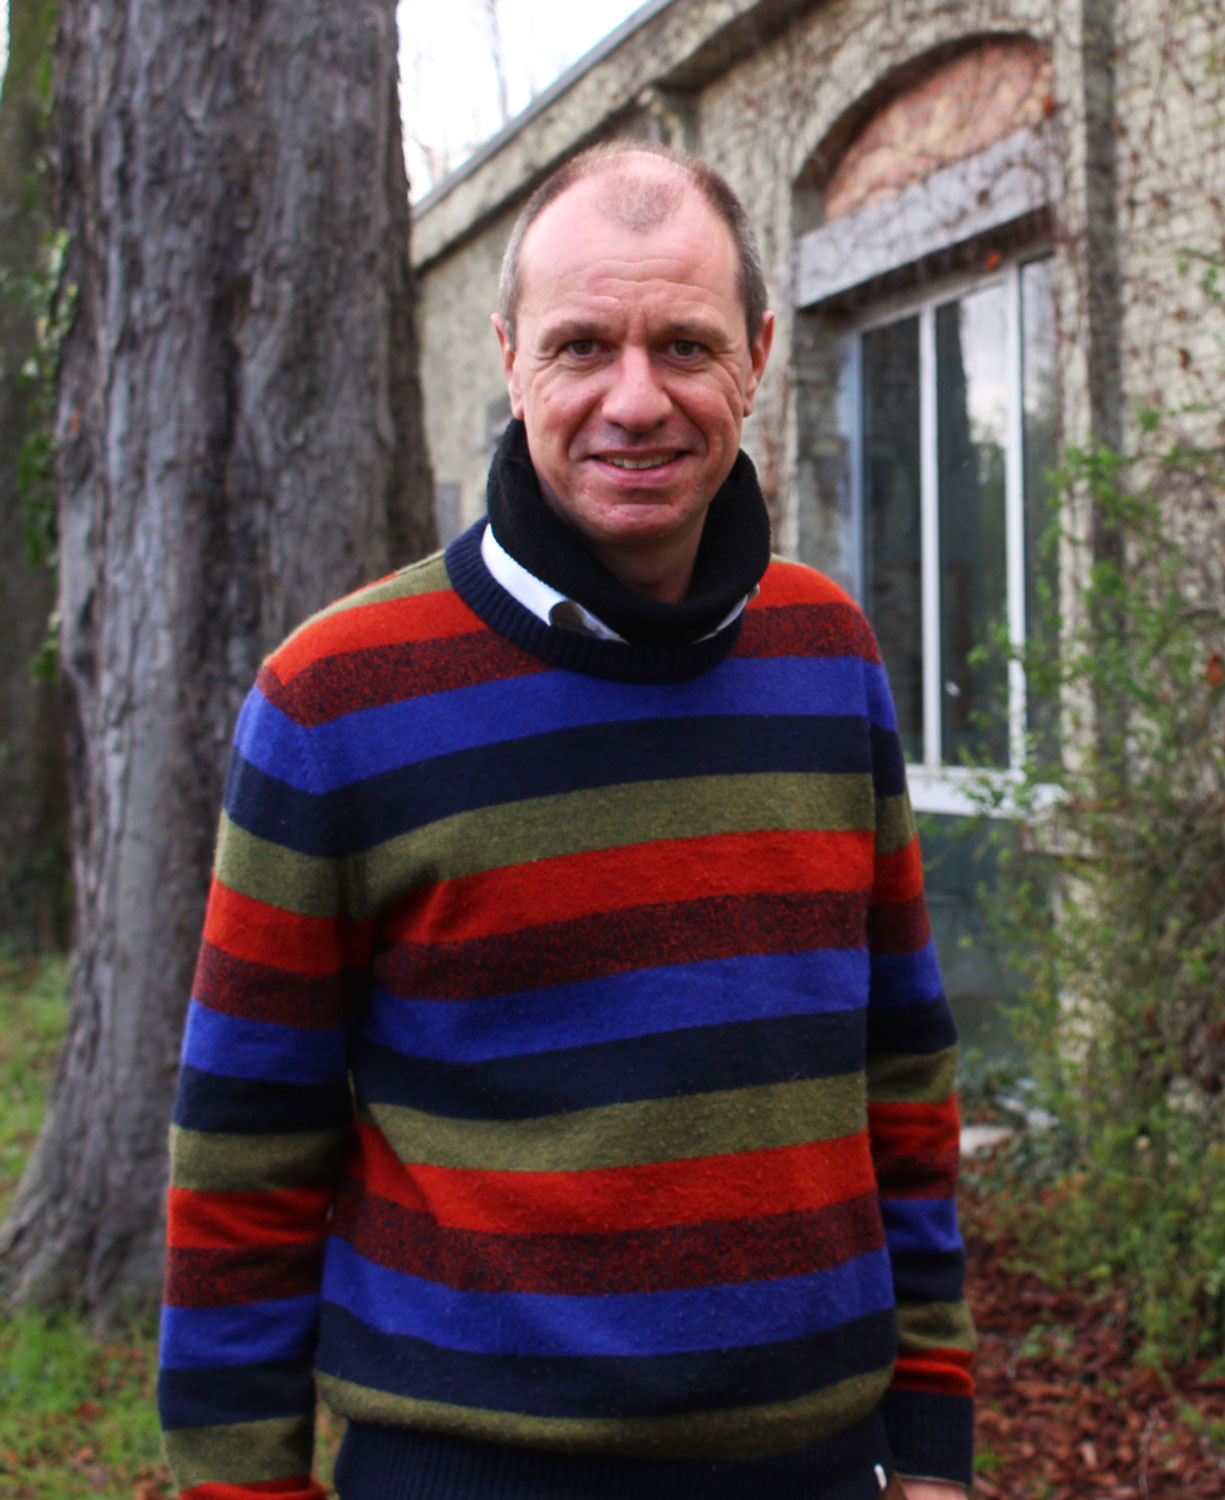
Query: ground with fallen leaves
point(1063, 1412)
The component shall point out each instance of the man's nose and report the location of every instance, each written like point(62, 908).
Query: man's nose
point(636, 399)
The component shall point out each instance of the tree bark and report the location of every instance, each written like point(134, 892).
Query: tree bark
point(241, 440)
point(33, 778)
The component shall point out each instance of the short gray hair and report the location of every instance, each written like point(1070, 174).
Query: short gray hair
point(642, 212)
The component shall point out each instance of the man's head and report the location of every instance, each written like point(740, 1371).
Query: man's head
point(629, 290)
point(750, 278)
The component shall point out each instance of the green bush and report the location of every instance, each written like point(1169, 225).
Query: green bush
point(1112, 903)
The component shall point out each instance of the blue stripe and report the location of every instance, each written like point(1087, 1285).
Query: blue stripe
point(921, 1224)
point(903, 978)
point(642, 1323)
point(700, 1060)
point(236, 1047)
point(193, 1338)
point(712, 993)
point(370, 741)
point(364, 813)
point(268, 739)
point(714, 1380)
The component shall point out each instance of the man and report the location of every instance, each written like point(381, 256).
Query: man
point(568, 1079)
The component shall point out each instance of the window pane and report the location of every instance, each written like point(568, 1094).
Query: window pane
point(971, 426)
point(1040, 457)
point(892, 577)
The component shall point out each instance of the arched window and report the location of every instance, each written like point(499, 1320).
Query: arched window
point(925, 362)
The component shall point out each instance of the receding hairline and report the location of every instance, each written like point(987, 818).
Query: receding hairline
point(645, 202)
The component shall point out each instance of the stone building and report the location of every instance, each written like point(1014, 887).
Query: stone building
point(983, 223)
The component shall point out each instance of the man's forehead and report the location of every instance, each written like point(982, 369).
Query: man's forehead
point(637, 191)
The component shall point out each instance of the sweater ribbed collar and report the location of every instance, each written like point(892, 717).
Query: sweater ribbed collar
point(733, 554)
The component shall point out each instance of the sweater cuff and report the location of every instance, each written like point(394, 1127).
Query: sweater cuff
point(931, 1433)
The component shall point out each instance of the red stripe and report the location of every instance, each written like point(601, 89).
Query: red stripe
point(639, 1260)
point(391, 622)
point(297, 1487)
point(582, 885)
point(899, 926)
point(229, 1278)
point(618, 942)
point(604, 1200)
point(231, 1221)
point(899, 876)
point(914, 1129)
point(792, 583)
point(945, 1370)
point(252, 930)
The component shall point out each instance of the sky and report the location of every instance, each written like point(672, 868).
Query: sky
point(449, 88)
point(448, 80)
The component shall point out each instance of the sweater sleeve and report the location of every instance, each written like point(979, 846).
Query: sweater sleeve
point(261, 1122)
point(914, 1131)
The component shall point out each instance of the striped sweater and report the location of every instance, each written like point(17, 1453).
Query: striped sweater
point(567, 1064)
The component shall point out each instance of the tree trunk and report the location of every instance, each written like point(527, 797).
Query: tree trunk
point(241, 440)
point(33, 778)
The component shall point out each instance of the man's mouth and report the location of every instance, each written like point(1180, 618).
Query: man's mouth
point(622, 462)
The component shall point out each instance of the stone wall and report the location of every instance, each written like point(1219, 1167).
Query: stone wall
point(772, 95)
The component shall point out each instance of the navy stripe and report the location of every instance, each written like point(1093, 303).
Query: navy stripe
point(615, 1385)
point(239, 1393)
point(913, 1029)
point(702, 1060)
point(928, 1275)
point(367, 812)
point(931, 1432)
point(252, 1106)
point(888, 763)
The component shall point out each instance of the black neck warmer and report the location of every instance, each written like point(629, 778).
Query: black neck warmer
point(733, 554)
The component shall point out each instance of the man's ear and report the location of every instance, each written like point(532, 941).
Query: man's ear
point(507, 350)
point(759, 353)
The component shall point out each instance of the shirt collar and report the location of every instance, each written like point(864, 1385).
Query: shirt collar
point(556, 609)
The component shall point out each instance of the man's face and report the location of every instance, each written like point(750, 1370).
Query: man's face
point(632, 371)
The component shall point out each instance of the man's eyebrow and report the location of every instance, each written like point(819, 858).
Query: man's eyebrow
point(568, 329)
point(695, 333)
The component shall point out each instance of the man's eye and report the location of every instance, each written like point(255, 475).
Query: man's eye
point(581, 347)
point(686, 348)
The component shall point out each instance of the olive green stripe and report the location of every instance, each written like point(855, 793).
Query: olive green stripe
point(213, 1162)
point(305, 884)
point(513, 833)
point(926, 1079)
point(742, 1432)
point(925, 1326)
point(241, 1453)
point(428, 576)
point(724, 1123)
point(895, 824)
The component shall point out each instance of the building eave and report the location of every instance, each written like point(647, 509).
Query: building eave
point(678, 45)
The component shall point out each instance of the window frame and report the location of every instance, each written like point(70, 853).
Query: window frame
point(936, 787)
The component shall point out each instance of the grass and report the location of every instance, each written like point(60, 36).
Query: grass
point(77, 1415)
point(33, 1014)
point(78, 1419)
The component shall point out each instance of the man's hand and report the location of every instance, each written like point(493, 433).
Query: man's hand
point(932, 1489)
